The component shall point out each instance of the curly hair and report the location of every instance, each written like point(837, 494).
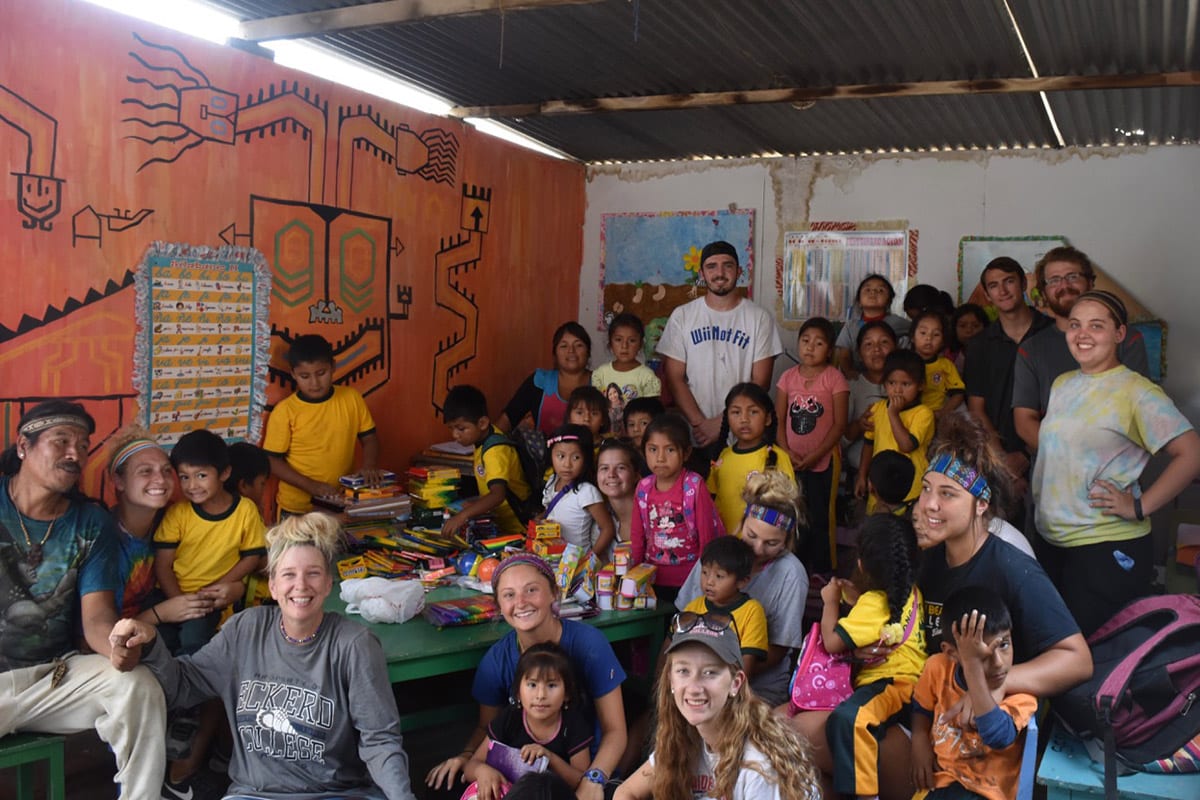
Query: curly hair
point(775, 490)
point(964, 437)
point(1066, 253)
point(312, 530)
point(745, 719)
point(887, 555)
point(757, 395)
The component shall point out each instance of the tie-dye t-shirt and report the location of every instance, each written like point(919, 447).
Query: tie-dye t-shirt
point(1103, 426)
point(39, 599)
point(135, 565)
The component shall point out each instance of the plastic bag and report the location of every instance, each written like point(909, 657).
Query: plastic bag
point(383, 600)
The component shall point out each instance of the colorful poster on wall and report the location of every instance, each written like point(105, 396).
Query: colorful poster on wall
point(203, 341)
point(650, 262)
point(822, 269)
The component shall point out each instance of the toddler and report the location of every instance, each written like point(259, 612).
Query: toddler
point(725, 568)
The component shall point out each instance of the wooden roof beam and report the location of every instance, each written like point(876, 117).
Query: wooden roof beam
point(389, 12)
point(666, 102)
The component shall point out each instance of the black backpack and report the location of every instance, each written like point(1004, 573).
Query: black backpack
point(1141, 699)
point(531, 468)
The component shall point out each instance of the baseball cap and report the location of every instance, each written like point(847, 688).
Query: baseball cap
point(714, 631)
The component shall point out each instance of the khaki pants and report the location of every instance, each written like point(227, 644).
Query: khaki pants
point(126, 709)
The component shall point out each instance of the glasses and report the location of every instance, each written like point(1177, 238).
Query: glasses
point(1071, 277)
point(684, 621)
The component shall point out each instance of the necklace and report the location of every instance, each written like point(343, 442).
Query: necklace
point(301, 640)
point(33, 550)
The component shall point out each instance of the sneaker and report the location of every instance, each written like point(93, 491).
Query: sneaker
point(177, 791)
point(180, 732)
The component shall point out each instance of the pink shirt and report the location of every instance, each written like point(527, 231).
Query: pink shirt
point(669, 529)
point(810, 409)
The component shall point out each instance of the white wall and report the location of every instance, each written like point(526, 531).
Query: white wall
point(1135, 212)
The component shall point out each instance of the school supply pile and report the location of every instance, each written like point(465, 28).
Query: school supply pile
point(612, 593)
point(432, 487)
point(358, 500)
point(461, 611)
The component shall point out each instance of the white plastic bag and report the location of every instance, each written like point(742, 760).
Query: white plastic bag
point(383, 600)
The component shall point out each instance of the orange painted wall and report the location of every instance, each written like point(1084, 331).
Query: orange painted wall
point(225, 137)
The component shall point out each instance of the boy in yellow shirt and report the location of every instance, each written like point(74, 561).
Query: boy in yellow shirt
point(497, 466)
point(207, 543)
point(311, 434)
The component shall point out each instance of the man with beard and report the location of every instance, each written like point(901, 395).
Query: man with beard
point(1062, 275)
point(988, 372)
point(58, 570)
point(714, 342)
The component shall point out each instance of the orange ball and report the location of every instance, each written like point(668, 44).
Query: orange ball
point(486, 568)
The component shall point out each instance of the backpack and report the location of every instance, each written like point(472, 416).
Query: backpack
point(531, 506)
point(1141, 699)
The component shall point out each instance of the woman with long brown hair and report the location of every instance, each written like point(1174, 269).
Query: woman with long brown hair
point(714, 737)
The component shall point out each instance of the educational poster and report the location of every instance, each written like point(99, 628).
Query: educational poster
point(974, 253)
point(650, 262)
point(823, 268)
point(379, 226)
point(204, 341)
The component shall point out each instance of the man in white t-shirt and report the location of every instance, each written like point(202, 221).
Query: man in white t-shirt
point(714, 342)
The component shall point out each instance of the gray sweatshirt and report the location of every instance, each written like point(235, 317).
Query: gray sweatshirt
point(309, 720)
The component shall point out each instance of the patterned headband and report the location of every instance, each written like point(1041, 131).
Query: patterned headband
point(780, 520)
point(123, 455)
point(42, 423)
point(965, 476)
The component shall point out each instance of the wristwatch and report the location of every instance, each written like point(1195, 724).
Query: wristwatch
point(596, 776)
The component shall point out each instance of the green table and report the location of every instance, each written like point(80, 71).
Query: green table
point(416, 649)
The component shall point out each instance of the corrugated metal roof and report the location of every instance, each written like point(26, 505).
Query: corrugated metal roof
point(579, 52)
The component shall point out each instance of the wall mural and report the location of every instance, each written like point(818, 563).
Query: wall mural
point(372, 219)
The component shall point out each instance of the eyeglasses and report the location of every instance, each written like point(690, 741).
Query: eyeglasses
point(1071, 277)
point(716, 622)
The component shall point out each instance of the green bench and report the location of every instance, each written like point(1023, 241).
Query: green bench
point(21, 751)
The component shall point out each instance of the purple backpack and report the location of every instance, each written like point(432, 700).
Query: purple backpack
point(1141, 700)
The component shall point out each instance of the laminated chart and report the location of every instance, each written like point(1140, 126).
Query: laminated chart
point(822, 269)
point(203, 341)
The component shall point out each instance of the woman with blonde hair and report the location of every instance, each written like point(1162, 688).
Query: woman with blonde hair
point(307, 692)
point(714, 737)
point(774, 512)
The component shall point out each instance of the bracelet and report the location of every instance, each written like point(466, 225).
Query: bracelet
point(154, 611)
point(1137, 509)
